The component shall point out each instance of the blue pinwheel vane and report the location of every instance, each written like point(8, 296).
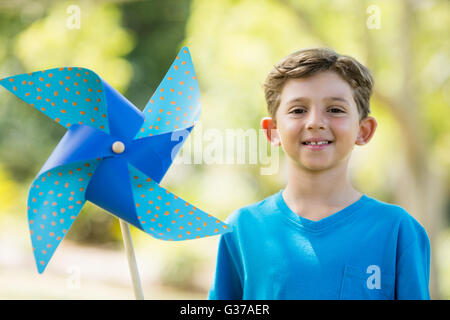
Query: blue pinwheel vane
point(112, 154)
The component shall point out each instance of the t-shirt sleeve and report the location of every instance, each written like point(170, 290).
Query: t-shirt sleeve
point(413, 262)
point(227, 283)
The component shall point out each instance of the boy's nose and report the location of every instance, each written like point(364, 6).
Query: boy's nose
point(315, 119)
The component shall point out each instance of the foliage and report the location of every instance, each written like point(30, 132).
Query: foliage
point(179, 269)
point(9, 192)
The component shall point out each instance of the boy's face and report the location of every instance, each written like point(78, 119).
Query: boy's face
point(319, 107)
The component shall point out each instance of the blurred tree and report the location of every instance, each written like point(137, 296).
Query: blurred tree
point(159, 27)
point(47, 42)
point(40, 38)
point(179, 269)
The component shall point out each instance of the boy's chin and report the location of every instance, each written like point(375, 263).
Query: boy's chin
point(313, 166)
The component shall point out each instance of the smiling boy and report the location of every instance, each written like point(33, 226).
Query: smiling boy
point(320, 238)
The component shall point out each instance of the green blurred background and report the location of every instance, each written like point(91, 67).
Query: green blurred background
point(234, 44)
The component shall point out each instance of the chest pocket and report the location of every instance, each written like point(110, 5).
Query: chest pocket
point(359, 284)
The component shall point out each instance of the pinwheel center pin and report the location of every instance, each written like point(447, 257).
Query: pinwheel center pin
point(118, 147)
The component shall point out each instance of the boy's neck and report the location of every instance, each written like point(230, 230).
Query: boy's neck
point(318, 194)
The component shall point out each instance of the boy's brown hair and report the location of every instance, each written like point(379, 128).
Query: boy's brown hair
point(304, 63)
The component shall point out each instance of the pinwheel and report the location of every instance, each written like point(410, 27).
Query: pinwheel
point(112, 154)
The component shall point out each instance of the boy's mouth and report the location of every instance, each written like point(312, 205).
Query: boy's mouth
point(317, 143)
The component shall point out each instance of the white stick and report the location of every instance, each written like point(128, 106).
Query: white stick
point(126, 234)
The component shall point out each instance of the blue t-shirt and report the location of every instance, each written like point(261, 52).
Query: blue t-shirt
point(368, 250)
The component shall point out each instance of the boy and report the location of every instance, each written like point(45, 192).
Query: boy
point(319, 238)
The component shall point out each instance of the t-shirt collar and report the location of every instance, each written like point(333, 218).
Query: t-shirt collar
point(322, 223)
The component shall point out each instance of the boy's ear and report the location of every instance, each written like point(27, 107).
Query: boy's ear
point(367, 128)
point(270, 129)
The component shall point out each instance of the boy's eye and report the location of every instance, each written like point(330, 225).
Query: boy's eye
point(336, 110)
point(297, 111)
point(333, 110)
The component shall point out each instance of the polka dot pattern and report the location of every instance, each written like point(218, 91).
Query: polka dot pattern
point(66, 95)
point(168, 217)
point(55, 199)
point(175, 104)
point(77, 96)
